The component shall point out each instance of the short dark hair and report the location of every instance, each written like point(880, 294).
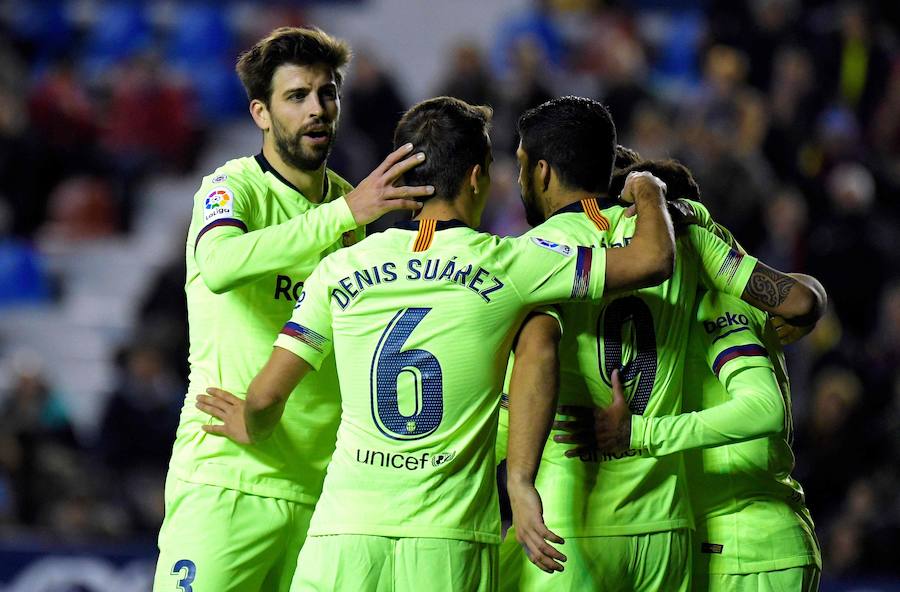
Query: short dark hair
point(301, 46)
point(680, 182)
point(576, 136)
point(625, 157)
point(452, 134)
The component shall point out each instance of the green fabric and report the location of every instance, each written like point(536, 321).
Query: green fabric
point(793, 579)
point(629, 493)
point(652, 562)
point(743, 496)
point(258, 272)
point(215, 539)
point(366, 563)
point(422, 341)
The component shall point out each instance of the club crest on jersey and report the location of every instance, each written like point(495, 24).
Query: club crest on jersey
point(442, 458)
point(219, 203)
point(219, 178)
point(564, 250)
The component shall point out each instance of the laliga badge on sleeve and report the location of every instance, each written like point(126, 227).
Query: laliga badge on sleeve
point(564, 250)
point(219, 203)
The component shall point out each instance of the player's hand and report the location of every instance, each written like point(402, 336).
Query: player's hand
point(642, 183)
point(376, 195)
point(680, 210)
point(605, 430)
point(349, 238)
point(612, 425)
point(531, 532)
point(229, 409)
point(578, 428)
point(682, 214)
point(787, 333)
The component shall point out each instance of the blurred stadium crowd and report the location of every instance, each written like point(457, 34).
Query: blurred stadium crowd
point(787, 111)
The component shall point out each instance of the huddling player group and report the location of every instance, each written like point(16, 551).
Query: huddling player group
point(624, 357)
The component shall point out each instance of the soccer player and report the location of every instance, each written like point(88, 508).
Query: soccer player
point(421, 319)
point(236, 517)
point(754, 531)
point(626, 517)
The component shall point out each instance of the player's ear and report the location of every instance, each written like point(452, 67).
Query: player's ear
point(544, 173)
point(473, 178)
point(259, 111)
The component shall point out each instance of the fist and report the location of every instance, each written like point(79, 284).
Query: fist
point(639, 182)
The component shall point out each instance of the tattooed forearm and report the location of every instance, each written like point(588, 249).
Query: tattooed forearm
point(768, 286)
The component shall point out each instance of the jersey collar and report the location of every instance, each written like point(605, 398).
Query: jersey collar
point(263, 163)
point(440, 225)
point(578, 206)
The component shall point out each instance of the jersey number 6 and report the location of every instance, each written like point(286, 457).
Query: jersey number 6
point(388, 364)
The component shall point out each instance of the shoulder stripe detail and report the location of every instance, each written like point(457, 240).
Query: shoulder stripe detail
point(738, 351)
point(592, 211)
point(730, 265)
point(723, 335)
point(582, 273)
point(220, 222)
point(425, 236)
point(305, 335)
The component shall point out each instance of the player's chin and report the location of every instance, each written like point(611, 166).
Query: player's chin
point(316, 150)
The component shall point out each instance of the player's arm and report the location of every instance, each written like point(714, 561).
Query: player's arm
point(648, 260)
point(737, 356)
point(228, 256)
point(251, 420)
point(270, 390)
point(754, 410)
point(532, 404)
point(799, 300)
point(302, 346)
point(544, 272)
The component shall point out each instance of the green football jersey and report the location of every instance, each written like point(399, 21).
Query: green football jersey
point(421, 318)
point(750, 513)
point(644, 332)
point(253, 240)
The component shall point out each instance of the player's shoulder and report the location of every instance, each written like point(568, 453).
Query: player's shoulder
point(700, 211)
point(567, 226)
point(235, 171)
point(235, 177)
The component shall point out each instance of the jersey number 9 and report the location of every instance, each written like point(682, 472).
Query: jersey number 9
point(639, 374)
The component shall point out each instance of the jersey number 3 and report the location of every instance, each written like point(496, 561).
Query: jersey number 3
point(639, 373)
point(417, 368)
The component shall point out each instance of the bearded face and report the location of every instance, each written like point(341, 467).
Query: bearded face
point(304, 110)
point(306, 148)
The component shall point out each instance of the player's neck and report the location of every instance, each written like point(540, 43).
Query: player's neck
point(440, 209)
point(557, 200)
point(311, 183)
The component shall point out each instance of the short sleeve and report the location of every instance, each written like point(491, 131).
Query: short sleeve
point(545, 271)
point(731, 330)
point(723, 269)
point(308, 334)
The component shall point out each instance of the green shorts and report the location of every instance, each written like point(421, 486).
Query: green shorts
point(365, 563)
point(222, 540)
point(792, 579)
point(641, 562)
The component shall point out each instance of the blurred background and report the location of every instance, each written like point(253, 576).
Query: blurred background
point(788, 112)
